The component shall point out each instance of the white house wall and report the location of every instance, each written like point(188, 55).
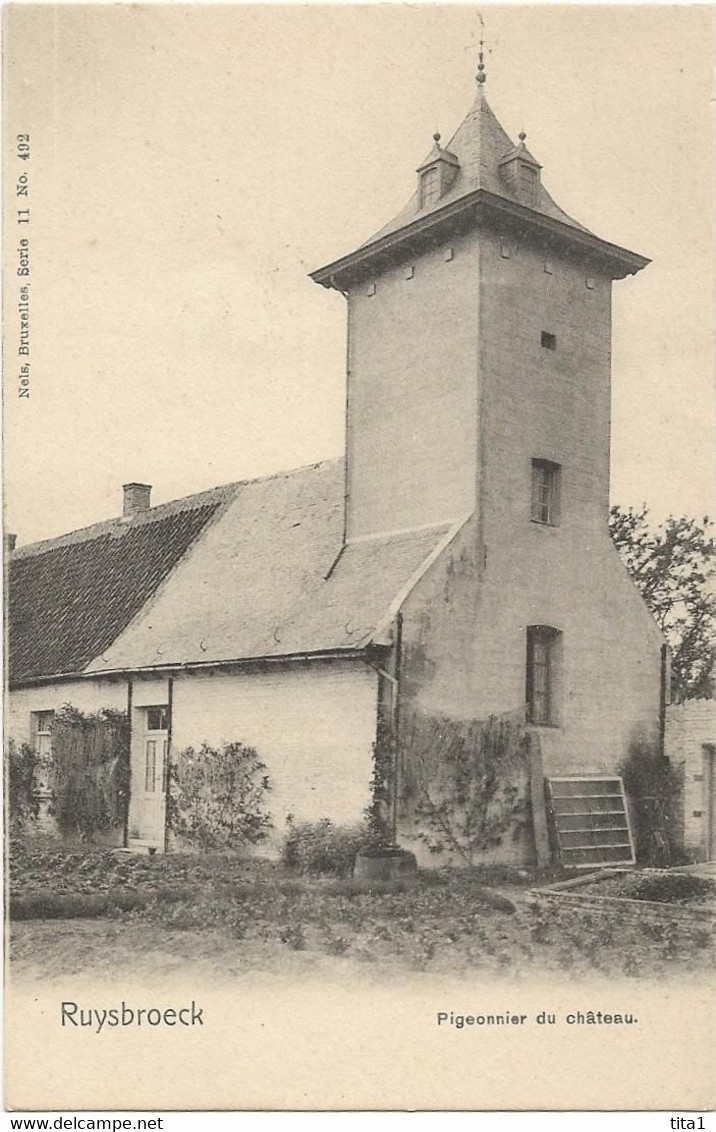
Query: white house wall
point(314, 727)
point(85, 695)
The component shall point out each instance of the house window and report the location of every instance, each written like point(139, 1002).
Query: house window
point(549, 341)
point(42, 732)
point(542, 657)
point(429, 187)
point(158, 718)
point(41, 728)
point(545, 492)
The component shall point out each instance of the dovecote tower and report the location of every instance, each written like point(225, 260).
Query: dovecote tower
point(479, 340)
point(479, 348)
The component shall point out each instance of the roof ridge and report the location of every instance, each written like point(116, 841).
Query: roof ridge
point(118, 524)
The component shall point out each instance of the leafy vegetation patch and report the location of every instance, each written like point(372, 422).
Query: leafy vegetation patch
point(439, 922)
point(662, 888)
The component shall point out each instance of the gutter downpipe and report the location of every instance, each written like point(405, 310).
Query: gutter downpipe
point(125, 830)
point(664, 697)
point(167, 759)
point(395, 728)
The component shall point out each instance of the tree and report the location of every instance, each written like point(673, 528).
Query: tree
point(674, 567)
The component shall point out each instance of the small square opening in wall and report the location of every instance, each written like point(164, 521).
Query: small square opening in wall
point(409, 272)
point(590, 282)
point(547, 267)
point(370, 289)
point(449, 254)
point(504, 249)
point(549, 341)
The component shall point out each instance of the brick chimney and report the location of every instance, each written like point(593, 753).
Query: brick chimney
point(136, 499)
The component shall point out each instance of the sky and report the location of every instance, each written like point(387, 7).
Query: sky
point(190, 165)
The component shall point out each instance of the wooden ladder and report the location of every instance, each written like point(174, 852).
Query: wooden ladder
point(590, 821)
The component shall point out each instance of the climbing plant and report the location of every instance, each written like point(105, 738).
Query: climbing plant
point(89, 771)
point(217, 797)
point(22, 764)
point(463, 781)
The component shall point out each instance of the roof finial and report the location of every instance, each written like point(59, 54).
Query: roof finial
point(481, 76)
point(436, 137)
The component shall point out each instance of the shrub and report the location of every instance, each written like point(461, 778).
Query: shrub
point(21, 766)
point(323, 848)
point(217, 796)
point(89, 770)
point(654, 786)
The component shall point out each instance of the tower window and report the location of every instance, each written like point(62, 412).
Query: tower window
point(542, 673)
point(545, 492)
point(549, 341)
point(429, 187)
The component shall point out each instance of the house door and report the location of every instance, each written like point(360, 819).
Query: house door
point(149, 780)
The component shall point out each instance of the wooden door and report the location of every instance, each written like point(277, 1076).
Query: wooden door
point(148, 808)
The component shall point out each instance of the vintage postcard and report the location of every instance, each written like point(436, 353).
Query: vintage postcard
point(360, 714)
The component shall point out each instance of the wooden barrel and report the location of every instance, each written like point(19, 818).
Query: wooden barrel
point(387, 863)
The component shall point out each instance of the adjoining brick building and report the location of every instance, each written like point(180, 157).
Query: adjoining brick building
point(457, 563)
point(691, 746)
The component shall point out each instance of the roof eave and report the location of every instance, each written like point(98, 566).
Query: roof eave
point(484, 205)
point(351, 652)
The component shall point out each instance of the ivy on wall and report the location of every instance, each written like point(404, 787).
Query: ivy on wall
point(463, 781)
point(22, 764)
point(89, 771)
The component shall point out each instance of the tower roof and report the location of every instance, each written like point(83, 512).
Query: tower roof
point(483, 153)
point(480, 144)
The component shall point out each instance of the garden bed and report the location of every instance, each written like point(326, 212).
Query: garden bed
point(656, 894)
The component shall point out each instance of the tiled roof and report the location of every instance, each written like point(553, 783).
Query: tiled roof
point(258, 581)
point(70, 597)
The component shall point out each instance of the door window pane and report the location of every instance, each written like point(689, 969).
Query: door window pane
point(158, 718)
point(150, 767)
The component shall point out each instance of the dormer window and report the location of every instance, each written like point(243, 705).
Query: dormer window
point(528, 183)
point(436, 174)
point(521, 173)
point(429, 187)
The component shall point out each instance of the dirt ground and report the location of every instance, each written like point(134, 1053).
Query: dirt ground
point(526, 945)
point(218, 918)
point(111, 951)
